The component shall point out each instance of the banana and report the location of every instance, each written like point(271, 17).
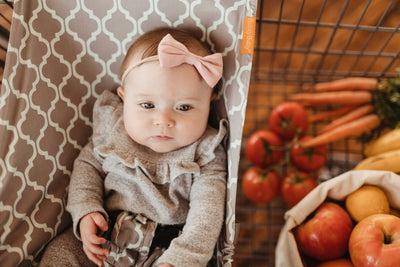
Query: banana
point(387, 161)
point(387, 142)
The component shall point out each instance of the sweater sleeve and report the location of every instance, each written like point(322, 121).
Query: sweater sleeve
point(195, 246)
point(86, 187)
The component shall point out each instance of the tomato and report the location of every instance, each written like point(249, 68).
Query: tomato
point(295, 186)
point(260, 186)
point(287, 118)
point(264, 148)
point(308, 159)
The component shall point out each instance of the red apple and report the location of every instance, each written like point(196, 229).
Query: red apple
point(375, 241)
point(325, 235)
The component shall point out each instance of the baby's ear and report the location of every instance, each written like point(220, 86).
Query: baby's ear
point(213, 96)
point(120, 92)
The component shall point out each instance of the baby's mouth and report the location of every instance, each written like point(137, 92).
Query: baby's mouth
point(162, 138)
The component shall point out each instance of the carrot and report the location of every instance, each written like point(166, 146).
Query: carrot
point(330, 114)
point(353, 128)
point(351, 83)
point(355, 114)
point(339, 97)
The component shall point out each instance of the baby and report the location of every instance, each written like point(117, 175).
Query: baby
point(149, 187)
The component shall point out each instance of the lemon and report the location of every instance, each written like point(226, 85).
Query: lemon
point(365, 201)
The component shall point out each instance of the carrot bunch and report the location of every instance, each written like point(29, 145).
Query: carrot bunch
point(354, 112)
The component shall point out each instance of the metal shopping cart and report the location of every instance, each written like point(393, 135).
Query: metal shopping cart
point(61, 56)
point(298, 42)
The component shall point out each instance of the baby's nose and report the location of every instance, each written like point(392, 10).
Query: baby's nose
point(164, 119)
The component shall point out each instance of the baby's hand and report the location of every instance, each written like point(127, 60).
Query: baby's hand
point(88, 228)
point(165, 265)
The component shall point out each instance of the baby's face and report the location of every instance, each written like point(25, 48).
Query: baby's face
point(165, 108)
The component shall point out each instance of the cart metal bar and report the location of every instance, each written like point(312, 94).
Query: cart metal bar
point(329, 52)
point(307, 53)
point(373, 33)
point(292, 45)
point(329, 25)
point(354, 30)
point(332, 36)
point(381, 52)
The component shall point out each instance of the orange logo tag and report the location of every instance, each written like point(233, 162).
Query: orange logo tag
point(249, 34)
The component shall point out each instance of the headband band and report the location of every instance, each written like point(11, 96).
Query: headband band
point(172, 53)
point(137, 64)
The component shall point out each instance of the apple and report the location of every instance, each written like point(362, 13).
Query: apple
point(375, 241)
point(343, 262)
point(325, 234)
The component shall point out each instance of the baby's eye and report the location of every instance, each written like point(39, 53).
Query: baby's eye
point(184, 107)
point(147, 105)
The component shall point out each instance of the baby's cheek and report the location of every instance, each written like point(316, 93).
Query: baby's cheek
point(197, 128)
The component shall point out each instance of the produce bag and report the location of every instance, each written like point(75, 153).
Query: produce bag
point(286, 252)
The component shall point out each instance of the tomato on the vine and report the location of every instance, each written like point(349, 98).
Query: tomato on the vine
point(295, 186)
point(287, 118)
point(264, 148)
point(259, 185)
point(308, 159)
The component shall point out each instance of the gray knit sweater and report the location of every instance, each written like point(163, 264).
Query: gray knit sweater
point(186, 186)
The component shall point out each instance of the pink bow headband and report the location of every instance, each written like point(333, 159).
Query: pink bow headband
point(172, 53)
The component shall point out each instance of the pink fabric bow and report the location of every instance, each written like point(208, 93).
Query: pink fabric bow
point(172, 53)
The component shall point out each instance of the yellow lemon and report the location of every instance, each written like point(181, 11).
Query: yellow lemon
point(365, 201)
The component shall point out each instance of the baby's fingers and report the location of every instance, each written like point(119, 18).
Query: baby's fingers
point(94, 239)
point(100, 221)
point(93, 245)
point(95, 253)
point(96, 259)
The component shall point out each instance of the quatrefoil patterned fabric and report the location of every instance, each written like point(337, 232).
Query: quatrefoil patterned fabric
point(62, 55)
